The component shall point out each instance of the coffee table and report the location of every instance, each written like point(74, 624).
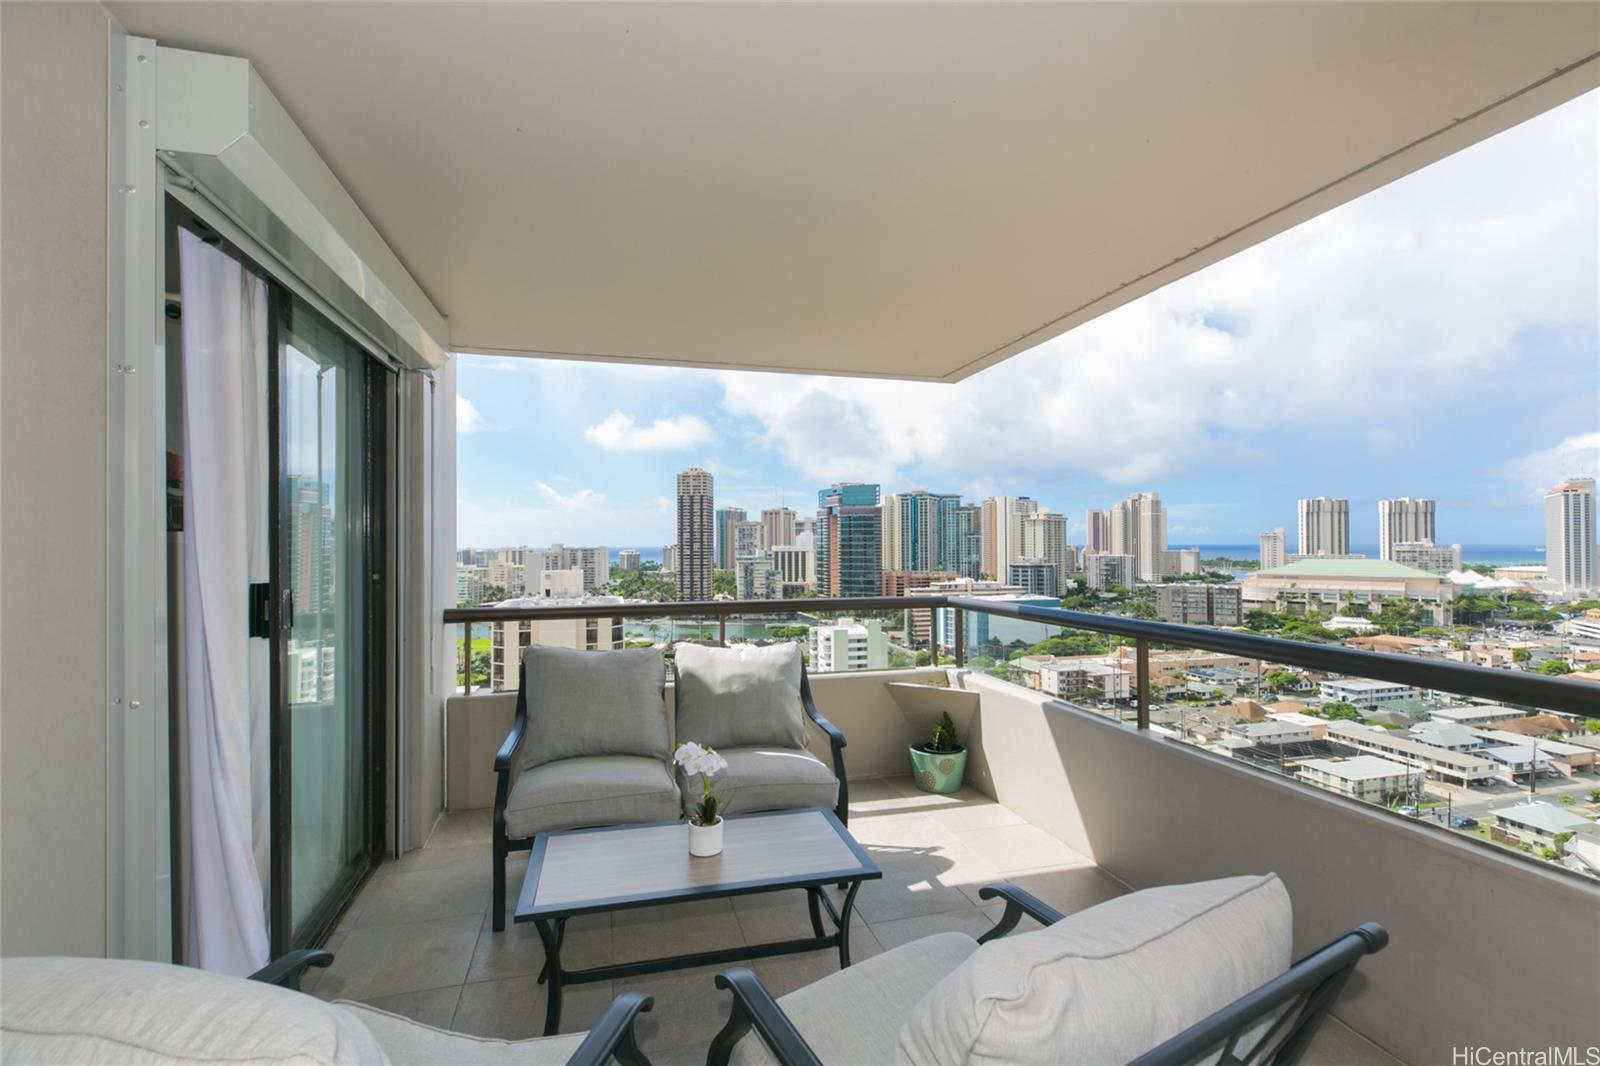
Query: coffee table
point(587, 871)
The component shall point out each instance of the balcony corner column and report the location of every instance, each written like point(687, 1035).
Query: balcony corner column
point(1141, 650)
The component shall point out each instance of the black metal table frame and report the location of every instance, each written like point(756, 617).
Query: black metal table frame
point(551, 922)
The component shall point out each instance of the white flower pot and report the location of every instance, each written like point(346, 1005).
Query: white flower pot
point(705, 840)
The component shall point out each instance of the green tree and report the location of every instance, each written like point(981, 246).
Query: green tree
point(1594, 795)
point(1521, 655)
point(924, 658)
point(1262, 621)
point(1566, 799)
point(1339, 712)
point(1282, 680)
point(1555, 667)
point(723, 583)
point(1143, 609)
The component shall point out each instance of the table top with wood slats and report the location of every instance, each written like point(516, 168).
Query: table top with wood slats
point(583, 870)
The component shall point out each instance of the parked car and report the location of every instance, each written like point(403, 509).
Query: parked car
point(1410, 811)
point(1463, 823)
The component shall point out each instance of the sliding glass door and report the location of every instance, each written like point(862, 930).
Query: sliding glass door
point(330, 564)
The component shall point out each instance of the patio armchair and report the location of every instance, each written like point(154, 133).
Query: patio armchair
point(589, 746)
point(752, 705)
point(1161, 977)
point(117, 1010)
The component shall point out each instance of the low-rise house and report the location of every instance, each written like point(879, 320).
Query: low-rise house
point(1363, 693)
point(1568, 758)
point(1363, 777)
point(1098, 678)
point(1478, 714)
point(1448, 735)
point(1318, 726)
point(1518, 759)
point(1437, 764)
point(1247, 734)
point(1533, 725)
point(1537, 822)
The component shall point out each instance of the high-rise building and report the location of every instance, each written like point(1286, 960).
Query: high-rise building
point(1044, 536)
point(727, 519)
point(1037, 577)
point(746, 540)
point(669, 559)
point(1097, 531)
point(1000, 533)
point(628, 559)
point(696, 536)
point(777, 527)
point(1324, 527)
point(1403, 521)
point(969, 561)
point(1139, 528)
point(1109, 568)
point(1569, 535)
point(756, 578)
point(849, 540)
point(1274, 551)
point(1194, 603)
point(796, 565)
point(848, 645)
point(1426, 555)
point(595, 562)
point(923, 530)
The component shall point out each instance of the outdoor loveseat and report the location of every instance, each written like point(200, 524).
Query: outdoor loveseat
point(592, 740)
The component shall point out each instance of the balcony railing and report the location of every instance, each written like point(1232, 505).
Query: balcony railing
point(1511, 687)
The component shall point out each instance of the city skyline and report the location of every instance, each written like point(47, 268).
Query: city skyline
point(1467, 289)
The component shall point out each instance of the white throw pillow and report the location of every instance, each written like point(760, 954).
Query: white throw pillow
point(1108, 983)
point(117, 1011)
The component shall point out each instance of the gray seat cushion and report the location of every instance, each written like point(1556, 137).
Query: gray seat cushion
point(596, 790)
point(120, 1011)
point(1108, 983)
point(767, 779)
point(594, 703)
point(852, 1016)
point(741, 696)
point(409, 1043)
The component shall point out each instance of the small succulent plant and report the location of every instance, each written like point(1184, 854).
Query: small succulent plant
point(944, 735)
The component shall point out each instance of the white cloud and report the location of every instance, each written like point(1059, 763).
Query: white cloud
point(1574, 457)
point(468, 418)
point(618, 432)
point(583, 499)
point(1408, 300)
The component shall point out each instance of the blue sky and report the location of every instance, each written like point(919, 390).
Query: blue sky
point(1439, 337)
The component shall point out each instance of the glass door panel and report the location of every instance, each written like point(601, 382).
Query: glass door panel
point(328, 564)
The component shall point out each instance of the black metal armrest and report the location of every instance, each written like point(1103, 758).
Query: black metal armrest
point(508, 750)
point(612, 1036)
point(285, 970)
point(1018, 903)
point(753, 1006)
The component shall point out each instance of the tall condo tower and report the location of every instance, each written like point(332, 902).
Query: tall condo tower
point(696, 535)
point(1569, 534)
point(1324, 527)
point(849, 540)
point(1274, 550)
point(1403, 521)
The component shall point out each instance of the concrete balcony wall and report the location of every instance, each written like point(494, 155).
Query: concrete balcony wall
point(876, 731)
point(1486, 950)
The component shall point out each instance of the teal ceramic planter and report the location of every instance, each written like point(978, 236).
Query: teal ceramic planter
point(938, 771)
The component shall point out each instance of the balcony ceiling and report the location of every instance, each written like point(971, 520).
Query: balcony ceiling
point(904, 190)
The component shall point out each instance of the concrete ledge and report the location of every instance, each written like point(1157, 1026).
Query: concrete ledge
point(876, 733)
point(1487, 950)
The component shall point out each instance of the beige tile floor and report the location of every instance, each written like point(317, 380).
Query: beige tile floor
point(417, 941)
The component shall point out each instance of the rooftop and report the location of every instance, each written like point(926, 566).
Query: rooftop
point(1546, 817)
point(1358, 767)
point(1346, 568)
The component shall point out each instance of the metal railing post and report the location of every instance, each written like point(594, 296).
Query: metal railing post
point(466, 658)
point(722, 630)
point(1141, 652)
point(960, 637)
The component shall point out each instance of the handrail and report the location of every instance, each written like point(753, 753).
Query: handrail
point(1519, 687)
point(1536, 690)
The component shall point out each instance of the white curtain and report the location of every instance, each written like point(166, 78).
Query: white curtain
point(225, 550)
